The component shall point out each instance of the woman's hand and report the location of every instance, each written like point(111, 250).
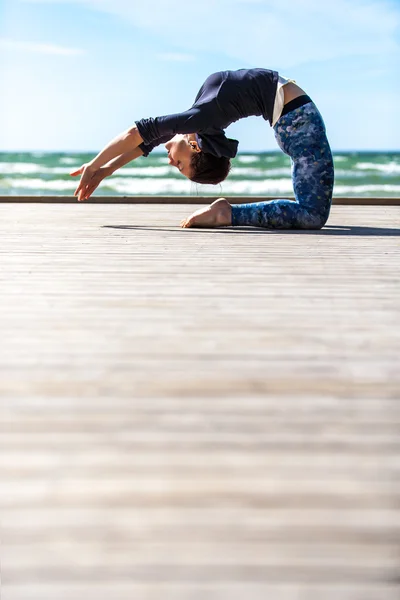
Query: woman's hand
point(90, 179)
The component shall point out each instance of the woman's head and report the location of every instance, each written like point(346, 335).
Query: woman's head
point(207, 168)
point(185, 154)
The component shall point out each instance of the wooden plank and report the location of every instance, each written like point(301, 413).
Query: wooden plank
point(198, 413)
point(66, 590)
point(351, 201)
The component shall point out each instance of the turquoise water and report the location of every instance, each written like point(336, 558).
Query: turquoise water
point(254, 174)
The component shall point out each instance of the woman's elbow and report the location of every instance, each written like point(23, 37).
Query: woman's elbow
point(134, 137)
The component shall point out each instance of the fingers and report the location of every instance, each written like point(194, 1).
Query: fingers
point(90, 188)
point(88, 191)
point(83, 184)
point(78, 172)
point(88, 183)
point(82, 195)
point(79, 190)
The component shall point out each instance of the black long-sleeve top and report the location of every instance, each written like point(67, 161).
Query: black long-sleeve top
point(224, 97)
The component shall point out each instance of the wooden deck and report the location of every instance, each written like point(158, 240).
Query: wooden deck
point(198, 414)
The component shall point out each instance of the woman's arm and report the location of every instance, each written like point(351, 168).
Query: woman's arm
point(97, 175)
point(124, 143)
point(124, 159)
point(109, 169)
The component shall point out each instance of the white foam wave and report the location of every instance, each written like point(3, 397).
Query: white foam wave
point(66, 160)
point(21, 168)
point(237, 171)
point(247, 158)
point(148, 171)
point(389, 168)
point(150, 186)
point(358, 190)
point(270, 186)
point(252, 172)
point(7, 168)
point(38, 184)
point(128, 186)
point(159, 186)
point(178, 186)
point(349, 174)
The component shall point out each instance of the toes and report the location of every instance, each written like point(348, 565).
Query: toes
point(186, 223)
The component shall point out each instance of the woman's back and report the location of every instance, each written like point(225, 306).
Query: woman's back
point(239, 94)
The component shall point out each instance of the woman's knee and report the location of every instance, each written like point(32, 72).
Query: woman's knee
point(312, 220)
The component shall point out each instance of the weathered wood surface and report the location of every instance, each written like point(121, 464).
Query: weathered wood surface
point(346, 200)
point(198, 414)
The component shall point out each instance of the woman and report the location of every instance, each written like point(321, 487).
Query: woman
point(198, 148)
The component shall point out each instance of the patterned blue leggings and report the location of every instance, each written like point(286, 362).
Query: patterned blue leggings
point(300, 134)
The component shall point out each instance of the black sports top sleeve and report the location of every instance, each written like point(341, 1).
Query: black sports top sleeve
point(224, 98)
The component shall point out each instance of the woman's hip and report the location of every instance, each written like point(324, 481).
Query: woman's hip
point(301, 131)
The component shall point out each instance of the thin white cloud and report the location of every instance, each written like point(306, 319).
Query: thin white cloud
point(7, 44)
point(268, 33)
point(176, 57)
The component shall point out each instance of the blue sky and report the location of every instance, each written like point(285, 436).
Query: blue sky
point(75, 73)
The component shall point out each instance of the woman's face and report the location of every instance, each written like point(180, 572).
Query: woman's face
point(180, 151)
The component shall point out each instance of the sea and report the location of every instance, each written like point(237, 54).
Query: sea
point(365, 174)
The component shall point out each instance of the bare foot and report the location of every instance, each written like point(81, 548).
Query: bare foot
point(218, 214)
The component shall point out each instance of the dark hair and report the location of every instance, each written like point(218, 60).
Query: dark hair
point(208, 168)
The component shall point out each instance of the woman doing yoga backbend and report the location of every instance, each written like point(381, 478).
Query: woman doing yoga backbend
point(197, 146)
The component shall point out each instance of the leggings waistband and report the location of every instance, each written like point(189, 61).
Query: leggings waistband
point(296, 103)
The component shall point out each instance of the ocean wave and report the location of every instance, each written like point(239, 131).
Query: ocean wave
point(236, 171)
point(118, 184)
point(150, 186)
point(56, 185)
point(18, 168)
point(182, 186)
point(140, 172)
point(178, 186)
point(348, 174)
point(147, 171)
point(154, 171)
point(253, 172)
point(389, 168)
point(66, 160)
point(8, 168)
point(358, 190)
point(248, 158)
point(130, 186)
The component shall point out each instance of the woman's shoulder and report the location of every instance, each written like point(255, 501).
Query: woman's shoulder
point(211, 86)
